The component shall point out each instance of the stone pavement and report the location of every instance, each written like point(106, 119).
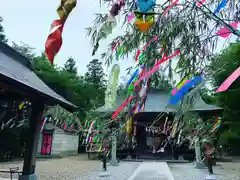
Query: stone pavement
point(223, 171)
point(152, 171)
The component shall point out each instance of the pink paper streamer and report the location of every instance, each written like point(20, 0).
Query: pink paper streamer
point(130, 17)
point(156, 67)
point(224, 32)
point(125, 103)
point(200, 3)
point(169, 7)
point(227, 83)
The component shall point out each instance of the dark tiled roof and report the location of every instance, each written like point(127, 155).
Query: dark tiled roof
point(157, 101)
point(16, 68)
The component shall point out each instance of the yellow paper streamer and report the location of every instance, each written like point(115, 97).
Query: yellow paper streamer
point(129, 126)
point(65, 8)
point(20, 106)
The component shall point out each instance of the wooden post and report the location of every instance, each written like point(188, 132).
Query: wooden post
point(35, 122)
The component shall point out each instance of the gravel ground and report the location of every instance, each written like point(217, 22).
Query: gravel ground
point(223, 171)
point(74, 168)
point(70, 168)
point(80, 168)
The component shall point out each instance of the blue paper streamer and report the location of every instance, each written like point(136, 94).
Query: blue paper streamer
point(220, 6)
point(133, 76)
point(146, 5)
point(185, 89)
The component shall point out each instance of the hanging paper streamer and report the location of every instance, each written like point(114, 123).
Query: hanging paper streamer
point(111, 91)
point(185, 89)
point(65, 8)
point(220, 6)
point(181, 83)
point(131, 17)
point(123, 105)
point(89, 131)
point(224, 32)
point(54, 40)
point(156, 67)
point(20, 107)
point(200, 3)
point(169, 7)
point(43, 123)
point(216, 125)
point(129, 126)
point(145, 5)
point(136, 72)
point(139, 52)
point(137, 55)
point(116, 7)
point(227, 83)
point(175, 90)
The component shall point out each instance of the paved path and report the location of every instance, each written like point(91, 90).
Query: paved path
point(223, 171)
point(152, 171)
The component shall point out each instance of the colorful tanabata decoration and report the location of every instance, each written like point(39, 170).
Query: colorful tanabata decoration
point(20, 107)
point(134, 75)
point(43, 123)
point(216, 125)
point(145, 5)
point(89, 131)
point(54, 40)
point(111, 91)
point(131, 17)
point(227, 83)
point(174, 3)
point(181, 83)
point(200, 3)
point(185, 89)
point(224, 32)
point(129, 124)
point(144, 21)
point(116, 7)
point(122, 106)
point(156, 67)
point(220, 6)
point(65, 8)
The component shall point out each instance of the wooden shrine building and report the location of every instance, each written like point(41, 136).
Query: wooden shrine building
point(17, 80)
point(157, 109)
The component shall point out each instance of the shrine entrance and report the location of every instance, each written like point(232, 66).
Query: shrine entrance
point(153, 133)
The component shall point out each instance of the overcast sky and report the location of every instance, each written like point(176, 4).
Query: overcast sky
point(29, 21)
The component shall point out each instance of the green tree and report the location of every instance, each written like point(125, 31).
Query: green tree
point(2, 35)
point(70, 66)
point(222, 65)
point(25, 50)
point(96, 77)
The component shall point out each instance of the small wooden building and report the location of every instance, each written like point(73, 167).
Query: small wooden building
point(57, 142)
